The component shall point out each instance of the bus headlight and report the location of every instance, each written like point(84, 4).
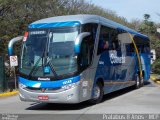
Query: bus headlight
point(22, 85)
point(69, 86)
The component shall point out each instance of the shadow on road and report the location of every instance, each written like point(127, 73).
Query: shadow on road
point(56, 106)
point(61, 107)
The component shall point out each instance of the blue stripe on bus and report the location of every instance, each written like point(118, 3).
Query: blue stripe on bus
point(55, 24)
point(48, 84)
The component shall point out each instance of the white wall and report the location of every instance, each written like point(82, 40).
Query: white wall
point(153, 55)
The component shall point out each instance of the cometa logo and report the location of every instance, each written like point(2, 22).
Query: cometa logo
point(114, 58)
point(45, 79)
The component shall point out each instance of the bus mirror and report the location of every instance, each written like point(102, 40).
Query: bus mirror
point(11, 43)
point(78, 41)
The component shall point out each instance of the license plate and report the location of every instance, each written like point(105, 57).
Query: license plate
point(45, 97)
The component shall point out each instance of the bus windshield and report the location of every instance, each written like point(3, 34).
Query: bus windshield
point(54, 46)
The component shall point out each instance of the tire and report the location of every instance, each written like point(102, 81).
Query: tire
point(98, 94)
point(142, 82)
point(137, 85)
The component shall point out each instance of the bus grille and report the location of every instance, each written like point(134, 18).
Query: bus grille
point(46, 90)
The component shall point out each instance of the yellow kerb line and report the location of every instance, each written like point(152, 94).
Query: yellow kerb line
point(8, 94)
point(139, 60)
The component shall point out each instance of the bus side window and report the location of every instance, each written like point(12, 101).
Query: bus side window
point(86, 52)
point(146, 49)
point(87, 45)
point(142, 44)
point(115, 42)
point(139, 47)
point(130, 47)
point(104, 39)
point(83, 54)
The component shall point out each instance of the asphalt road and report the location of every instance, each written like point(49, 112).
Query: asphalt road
point(126, 101)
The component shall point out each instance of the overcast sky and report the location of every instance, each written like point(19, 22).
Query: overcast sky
point(132, 9)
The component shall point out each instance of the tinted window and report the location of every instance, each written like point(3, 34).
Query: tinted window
point(108, 40)
point(87, 45)
point(142, 44)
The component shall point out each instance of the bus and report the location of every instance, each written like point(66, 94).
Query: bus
point(76, 58)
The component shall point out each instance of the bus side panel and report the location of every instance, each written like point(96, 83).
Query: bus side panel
point(145, 60)
point(129, 70)
point(104, 71)
point(88, 80)
point(85, 85)
point(116, 75)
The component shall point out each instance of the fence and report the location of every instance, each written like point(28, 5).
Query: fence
point(3, 83)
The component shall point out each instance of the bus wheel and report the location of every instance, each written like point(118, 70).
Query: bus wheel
point(137, 85)
point(97, 94)
point(142, 82)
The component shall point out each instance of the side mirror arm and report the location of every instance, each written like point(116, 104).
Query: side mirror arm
point(11, 43)
point(79, 39)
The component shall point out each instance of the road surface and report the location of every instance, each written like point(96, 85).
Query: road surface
point(126, 101)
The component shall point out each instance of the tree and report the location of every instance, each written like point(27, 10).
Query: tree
point(16, 15)
point(135, 24)
point(146, 17)
point(147, 27)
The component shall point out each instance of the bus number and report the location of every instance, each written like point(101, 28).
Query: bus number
point(67, 82)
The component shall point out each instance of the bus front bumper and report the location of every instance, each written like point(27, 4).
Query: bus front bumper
point(68, 96)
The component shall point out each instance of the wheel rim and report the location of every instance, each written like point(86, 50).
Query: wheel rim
point(138, 82)
point(96, 92)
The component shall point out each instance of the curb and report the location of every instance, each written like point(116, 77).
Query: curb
point(153, 78)
point(9, 93)
point(158, 82)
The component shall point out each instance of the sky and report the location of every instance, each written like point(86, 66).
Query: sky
point(132, 9)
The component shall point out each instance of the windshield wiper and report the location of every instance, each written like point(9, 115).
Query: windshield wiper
point(52, 68)
point(37, 62)
point(35, 66)
point(49, 63)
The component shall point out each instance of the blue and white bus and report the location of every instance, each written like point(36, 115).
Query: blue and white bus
point(74, 58)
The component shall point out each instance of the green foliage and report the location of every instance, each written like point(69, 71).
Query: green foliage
point(15, 15)
point(156, 66)
point(146, 16)
point(155, 44)
point(147, 27)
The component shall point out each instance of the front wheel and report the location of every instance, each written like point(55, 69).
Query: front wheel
point(97, 94)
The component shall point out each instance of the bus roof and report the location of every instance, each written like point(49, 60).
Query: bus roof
point(73, 20)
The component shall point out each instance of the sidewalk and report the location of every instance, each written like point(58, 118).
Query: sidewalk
point(5, 94)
